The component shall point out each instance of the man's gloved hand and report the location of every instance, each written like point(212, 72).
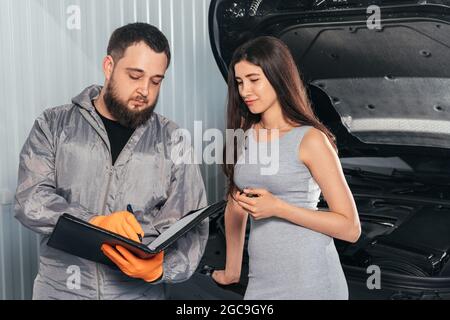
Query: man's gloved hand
point(149, 270)
point(122, 222)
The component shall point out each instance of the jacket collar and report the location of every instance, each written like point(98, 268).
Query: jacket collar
point(84, 99)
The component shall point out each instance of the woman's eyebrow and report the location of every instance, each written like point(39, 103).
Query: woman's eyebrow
point(248, 75)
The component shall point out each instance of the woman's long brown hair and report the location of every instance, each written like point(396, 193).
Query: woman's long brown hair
point(278, 65)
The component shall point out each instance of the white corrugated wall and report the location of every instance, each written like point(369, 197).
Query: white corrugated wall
point(45, 60)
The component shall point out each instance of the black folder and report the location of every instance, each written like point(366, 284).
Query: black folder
point(82, 239)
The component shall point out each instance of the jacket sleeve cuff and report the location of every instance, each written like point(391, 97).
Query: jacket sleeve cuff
point(87, 216)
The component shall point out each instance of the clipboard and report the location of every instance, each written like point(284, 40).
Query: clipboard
point(80, 238)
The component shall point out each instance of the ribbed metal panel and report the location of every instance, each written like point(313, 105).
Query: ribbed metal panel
point(43, 63)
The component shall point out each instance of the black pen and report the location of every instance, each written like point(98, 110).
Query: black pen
point(130, 209)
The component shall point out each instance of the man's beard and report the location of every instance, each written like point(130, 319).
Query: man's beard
point(123, 115)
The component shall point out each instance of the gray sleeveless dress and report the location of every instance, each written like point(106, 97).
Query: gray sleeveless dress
point(288, 261)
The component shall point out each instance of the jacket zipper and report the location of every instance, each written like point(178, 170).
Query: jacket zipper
point(105, 200)
point(110, 172)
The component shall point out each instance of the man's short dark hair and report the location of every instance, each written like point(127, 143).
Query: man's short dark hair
point(133, 33)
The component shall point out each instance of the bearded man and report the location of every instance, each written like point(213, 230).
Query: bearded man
point(92, 158)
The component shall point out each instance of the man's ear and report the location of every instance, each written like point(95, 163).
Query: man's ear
point(108, 67)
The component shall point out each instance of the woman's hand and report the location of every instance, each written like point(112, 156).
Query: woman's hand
point(261, 205)
point(223, 278)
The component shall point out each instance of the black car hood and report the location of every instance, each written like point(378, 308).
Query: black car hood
point(382, 92)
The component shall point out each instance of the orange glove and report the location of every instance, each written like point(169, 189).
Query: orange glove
point(147, 269)
point(123, 223)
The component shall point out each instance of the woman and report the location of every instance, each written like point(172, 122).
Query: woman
point(291, 249)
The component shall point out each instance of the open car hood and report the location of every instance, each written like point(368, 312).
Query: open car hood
point(382, 91)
